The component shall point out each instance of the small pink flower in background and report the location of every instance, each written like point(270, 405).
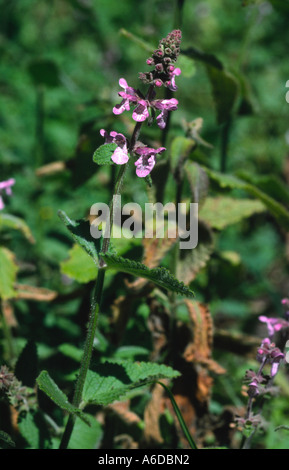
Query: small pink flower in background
point(274, 324)
point(146, 162)
point(269, 353)
point(5, 186)
point(120, 155)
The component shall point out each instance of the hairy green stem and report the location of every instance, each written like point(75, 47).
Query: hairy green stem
point(87, 353)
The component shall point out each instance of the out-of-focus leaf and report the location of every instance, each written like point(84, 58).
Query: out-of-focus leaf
point(225, 89)
point(11, 221)
point(8, 271)
point(45, 72)
point(222, 211)
point(232, 182)
point(79, 266)
point(198, 180)
point(181, 148)
point(113, 380)
point(192, 261)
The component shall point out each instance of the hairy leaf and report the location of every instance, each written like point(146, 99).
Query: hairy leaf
point(16, 223)
point(102, 155)
point(113, 380)
point(48, 386)
point(80, 231)
point(160, 276)
point(8, 270)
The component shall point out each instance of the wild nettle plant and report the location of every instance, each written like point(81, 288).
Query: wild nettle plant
point(104, 383)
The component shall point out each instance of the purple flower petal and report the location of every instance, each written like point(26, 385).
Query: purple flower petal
point(120, 156)
point(144, 165)
point(141, 112)
point(146, 162)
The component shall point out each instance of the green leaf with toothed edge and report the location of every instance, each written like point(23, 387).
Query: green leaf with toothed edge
point(51, 389)
point(160, 276)
point(102, 155)
point(113, 380)
point(80, 231)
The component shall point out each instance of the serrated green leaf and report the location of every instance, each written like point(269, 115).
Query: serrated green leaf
point(51, 389)
point(232, 182)
point(8, 271)
point(219, 212)
point(102, 155)
point(79, 265)
point(16, 223)
point(160, 276)
point(80, 231)
point(113, 380)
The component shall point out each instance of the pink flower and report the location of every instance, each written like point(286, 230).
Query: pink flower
point(274, 324)
point(165, 106)
point(141, 111)
point(120, 155)
point(146, 162)
point(130, 95)
point(171, 83)
point(6, 186)
point(269, 353)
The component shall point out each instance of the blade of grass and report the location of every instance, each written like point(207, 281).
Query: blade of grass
point(180, 417)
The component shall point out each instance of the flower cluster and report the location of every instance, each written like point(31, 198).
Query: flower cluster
point(147, 107)
point(163, 60)
point(19, 396)
point(5, 186)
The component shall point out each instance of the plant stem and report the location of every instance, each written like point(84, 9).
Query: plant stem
point(96, 299)
point(87, 353)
